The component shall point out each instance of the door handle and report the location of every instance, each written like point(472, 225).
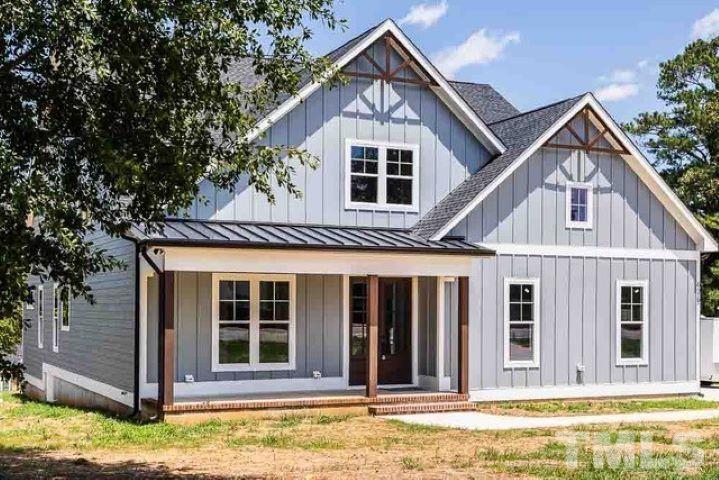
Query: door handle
point(384, 357)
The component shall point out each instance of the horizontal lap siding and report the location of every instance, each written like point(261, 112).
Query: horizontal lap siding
point(319, 336)
point(529, 207)
point(578, 320)
point(100, 343)
point(367, 110)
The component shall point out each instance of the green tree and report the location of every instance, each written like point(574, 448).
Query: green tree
point(684, 139)
point(112, 111)
point(10, 337)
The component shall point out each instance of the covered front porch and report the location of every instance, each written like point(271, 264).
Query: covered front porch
point(232, 325)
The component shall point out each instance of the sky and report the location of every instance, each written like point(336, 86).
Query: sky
point(538, 52)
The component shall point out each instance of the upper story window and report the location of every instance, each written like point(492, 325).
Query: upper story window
point(382, 176)
point(580, 198)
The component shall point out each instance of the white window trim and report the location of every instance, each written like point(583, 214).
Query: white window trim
point(63, 327)
point(589, 224)
point(56, 314)
point(644, 360)
point(254, 365)
point(534, 363)
point(381, 176)
point(40, 316)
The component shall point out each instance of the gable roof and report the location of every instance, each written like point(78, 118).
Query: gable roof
point(523, 135)
point(518, 133)
point(347, 52)
point(489, 104)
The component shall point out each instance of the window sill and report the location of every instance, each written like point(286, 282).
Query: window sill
point(579, 226)
point(64, 329)
point(382, 208)
point(260, 367)
point(520, 365)
point(631, 362)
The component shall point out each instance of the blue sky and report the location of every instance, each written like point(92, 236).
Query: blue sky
point(537, 52)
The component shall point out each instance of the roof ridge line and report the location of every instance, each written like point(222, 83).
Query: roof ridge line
point(538, 109)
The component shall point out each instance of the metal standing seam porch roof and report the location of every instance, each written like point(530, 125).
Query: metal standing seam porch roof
point(219, 233)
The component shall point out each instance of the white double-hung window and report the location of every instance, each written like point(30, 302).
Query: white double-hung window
point(579, 205)
point(521, 322)
point(381, 176)
point(632, 314)
point(253, 322)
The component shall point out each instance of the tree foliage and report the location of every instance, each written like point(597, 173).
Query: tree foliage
point(684, 139)
point(112, 111)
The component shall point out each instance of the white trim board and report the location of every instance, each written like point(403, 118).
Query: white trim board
point(590, 252)
point(294, 261)
point(100, 388)
point(583, 391)
point(636, 160)
point(443, 90)
point(35, 382)
point(237, 387)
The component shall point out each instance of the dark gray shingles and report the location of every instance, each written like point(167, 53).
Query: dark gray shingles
point(487, 102)
point(518, 133)
point(265, 235)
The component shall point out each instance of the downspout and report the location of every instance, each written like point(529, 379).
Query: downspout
point(153, 265)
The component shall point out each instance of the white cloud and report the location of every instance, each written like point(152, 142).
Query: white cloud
point(642, 64)
point(706, 27)
point(425, 14)
point(620, 76)
point(480, 48)
point(616, 91)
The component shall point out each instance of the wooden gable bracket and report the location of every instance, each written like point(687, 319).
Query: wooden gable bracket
point(386, 73)
point(587, 144)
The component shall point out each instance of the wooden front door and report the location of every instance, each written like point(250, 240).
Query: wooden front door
point(395, 331)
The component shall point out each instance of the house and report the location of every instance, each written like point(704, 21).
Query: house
point(449, 248)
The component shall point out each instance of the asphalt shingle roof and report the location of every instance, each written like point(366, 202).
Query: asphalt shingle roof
point(517, 133)
point(209, 233)
point(487, 102)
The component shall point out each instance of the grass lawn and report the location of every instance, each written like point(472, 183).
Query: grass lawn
point(38, 440)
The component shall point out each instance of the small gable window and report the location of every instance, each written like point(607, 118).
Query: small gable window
point(579, 205)
point(382, 176)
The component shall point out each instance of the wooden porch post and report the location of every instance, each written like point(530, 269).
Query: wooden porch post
point(463, 341)
point(372, 335)
point(166, 342)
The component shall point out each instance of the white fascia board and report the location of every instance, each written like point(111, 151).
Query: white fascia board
point(641, 166)
point(449, 95)
point(636, 160)
point(549, 133)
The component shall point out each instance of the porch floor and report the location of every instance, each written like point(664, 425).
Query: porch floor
point(305, 399)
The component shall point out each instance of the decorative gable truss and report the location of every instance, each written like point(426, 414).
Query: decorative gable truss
point(589, 133)
point(398, 66)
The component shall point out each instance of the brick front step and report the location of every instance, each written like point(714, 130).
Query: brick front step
point(407, 408)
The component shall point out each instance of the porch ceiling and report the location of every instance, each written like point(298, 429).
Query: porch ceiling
point(218, 233)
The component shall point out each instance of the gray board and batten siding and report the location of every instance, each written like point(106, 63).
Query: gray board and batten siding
point(363, 109)
point(101, 339)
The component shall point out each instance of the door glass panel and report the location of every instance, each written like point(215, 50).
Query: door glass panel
point(396, 319)
point(359, 317)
